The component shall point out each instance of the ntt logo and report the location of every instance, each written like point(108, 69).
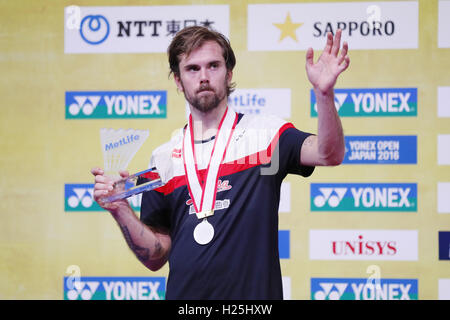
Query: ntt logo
point(94, 29)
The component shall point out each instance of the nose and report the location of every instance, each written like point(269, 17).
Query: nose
point(204, 78)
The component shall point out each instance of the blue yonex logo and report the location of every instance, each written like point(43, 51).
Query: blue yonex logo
point(114, 288)
point(364, 289)
point(94, 29)
point(115, 104)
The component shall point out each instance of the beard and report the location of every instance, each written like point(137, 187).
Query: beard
point(208, 101)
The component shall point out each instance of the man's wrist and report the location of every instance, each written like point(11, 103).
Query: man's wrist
point(121, 211)
point(321, 93)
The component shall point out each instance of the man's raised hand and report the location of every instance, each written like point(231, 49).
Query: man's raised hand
point(324, 73)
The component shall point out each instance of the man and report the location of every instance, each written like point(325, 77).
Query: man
point(216, 219)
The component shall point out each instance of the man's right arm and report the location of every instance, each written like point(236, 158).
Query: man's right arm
point(151, 246)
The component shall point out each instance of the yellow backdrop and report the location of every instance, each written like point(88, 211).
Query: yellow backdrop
point(42, 150)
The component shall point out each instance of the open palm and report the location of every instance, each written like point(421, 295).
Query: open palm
point(324, 73)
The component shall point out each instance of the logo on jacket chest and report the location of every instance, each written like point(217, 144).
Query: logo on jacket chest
point(176, 153)
point(220, 204)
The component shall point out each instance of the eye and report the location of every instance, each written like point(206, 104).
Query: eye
point(192, 68)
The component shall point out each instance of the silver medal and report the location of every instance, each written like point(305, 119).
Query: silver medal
point(203, 232)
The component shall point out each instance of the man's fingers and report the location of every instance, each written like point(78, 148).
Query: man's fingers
point(336, 43)
point(103, 186)
point(329, 44)
point(101, 190)
point(124, 173)
point(343, 54)
point(101, 179)
point(344, 65)
point(344, 49)
point(103, 182)
point(100, 193)
point(96, 171)
point(310, 57)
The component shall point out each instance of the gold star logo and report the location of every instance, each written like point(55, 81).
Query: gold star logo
point(288, 28)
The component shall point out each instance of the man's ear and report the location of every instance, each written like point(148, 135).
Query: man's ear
point(178, 83)
point(229, 76)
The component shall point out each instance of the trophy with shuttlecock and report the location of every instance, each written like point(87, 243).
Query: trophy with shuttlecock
point(119, 147)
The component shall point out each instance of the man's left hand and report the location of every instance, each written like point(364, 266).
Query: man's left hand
point(324, 73)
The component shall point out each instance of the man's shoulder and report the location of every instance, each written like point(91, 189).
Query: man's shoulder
point(262, 121)
point(174, 142)
point(166, 158)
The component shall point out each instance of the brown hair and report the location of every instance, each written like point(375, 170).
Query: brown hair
point(192, 38)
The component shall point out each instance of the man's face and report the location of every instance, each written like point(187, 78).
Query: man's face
point(204, 77)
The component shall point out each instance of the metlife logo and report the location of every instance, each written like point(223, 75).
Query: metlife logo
point(365, 25)
point(380, 150)
point(111, 288)
point(380, 102)
point(135, 29)
point(363, 197)
point(364, 289)
point(270, 101)
point(115, 104)
point(79, 197)
point(274, 101)
point(388, 245)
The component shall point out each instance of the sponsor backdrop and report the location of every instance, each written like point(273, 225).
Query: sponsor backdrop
point(376, 227)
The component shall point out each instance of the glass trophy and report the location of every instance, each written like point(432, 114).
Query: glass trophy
point(119, 147)
point(137, 183)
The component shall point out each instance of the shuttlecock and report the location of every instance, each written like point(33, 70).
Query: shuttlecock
point(119, 147)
